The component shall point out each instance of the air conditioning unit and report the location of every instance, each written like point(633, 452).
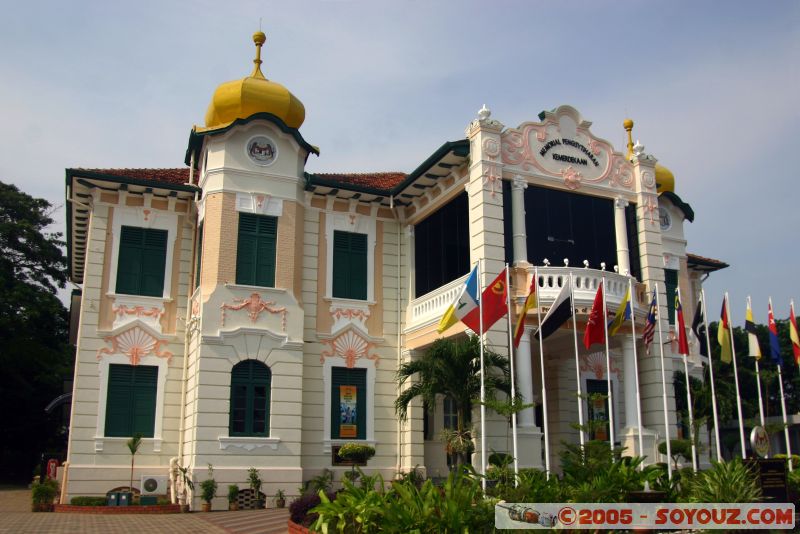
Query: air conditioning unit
point(154, 484)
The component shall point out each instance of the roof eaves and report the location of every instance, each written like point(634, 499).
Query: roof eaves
point(687, 210)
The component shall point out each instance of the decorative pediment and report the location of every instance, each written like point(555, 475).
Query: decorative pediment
point(562, 146)
point(350, 345)
point(254, 306)
point(596, 364)
point(135, 342)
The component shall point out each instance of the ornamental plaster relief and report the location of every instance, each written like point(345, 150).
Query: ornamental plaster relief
point(135, 343)
point(595, 363)
point(350, 345)
point(562, 147)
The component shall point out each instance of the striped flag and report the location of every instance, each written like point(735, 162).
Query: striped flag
point(723, 334)
point(793, 335)
point(774, 345)
point(750, 328)
point(530, 302)
point(699, 328)
point(559, 313)
point(650, 324)
point(466, 302)
point(623, 313)
point(683, 341)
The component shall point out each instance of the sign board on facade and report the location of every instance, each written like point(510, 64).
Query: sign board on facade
point(348, 428)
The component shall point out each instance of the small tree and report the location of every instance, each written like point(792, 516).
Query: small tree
point(133, 445)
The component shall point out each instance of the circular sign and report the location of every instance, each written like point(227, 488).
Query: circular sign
point(665, 219)
point(261, 150)
point(759, 441)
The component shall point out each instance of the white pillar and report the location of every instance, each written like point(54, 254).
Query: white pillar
point(525, 418)
point(629, 368)
point(520, 241)
point(621, 230)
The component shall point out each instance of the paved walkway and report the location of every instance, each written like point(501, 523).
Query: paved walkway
point(16, 517)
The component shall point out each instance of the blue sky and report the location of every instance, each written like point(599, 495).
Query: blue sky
point(712, 86)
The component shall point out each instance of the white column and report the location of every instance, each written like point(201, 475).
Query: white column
point(621, 230)
point(520, 241)
point(524, 377)
point(629, 368)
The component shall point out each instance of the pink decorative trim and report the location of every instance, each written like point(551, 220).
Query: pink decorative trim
point(353, 217)
point(572, 178)
point(596, 363)
point(350, 346)
point(138, 311)
point(135, 343)
point(350, 313)
point(254, 306)
point(260, 200)
point(146, 214)
point(195, 307)
point(650, 207)
point(490, 148)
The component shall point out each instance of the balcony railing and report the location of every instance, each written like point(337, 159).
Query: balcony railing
point(429, 308)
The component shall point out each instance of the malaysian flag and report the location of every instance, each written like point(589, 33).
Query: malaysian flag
point(650, 325)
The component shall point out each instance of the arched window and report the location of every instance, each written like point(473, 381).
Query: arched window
point(250, 396)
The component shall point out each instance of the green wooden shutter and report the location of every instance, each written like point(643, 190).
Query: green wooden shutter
point(349, 265)
point(255, 257)
point(251, 384)
point(342, 376)
point(129, 260)
point(131, 400)
point(671, 285)
point(141, 261)
point(154, 258)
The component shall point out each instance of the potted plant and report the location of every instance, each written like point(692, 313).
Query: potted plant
point(186, 486)
point(42, 494)
point(208, 489)
point(233, 495)
point(254, 479)
point(280, 499)
point(356, 454)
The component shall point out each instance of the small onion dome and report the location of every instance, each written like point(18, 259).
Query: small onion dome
point(665, 180)
point(239, 99)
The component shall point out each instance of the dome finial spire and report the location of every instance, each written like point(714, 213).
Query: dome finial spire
point(628, 125)
point(259, 39)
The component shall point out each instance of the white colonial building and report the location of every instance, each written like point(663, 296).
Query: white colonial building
point(232, 309)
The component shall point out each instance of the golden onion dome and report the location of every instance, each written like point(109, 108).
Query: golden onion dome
point(665, 180)
point(239, 99)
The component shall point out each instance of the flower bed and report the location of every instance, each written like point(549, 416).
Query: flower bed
point(294, 528)
point(116, 510)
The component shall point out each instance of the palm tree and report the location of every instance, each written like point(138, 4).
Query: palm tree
point(133, 445)
point(451, 367)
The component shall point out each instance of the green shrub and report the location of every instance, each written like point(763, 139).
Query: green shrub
point(44, 492)
point(88, 501)
point(732, 482)
point(208, 487)
point(233, 492)
point(356, 452)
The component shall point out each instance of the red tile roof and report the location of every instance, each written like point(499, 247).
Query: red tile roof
point(375, 180)
point(705, 262)
point(170, 176)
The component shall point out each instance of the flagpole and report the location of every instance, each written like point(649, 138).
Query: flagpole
point(758, 373)
point(544, 390)
point(711, 375)
point(688, 390)
point(636, 368)
point(483, 389)
point(608, 370)
point(735, 375)
point(513, 388)
point(663, 384)
point(783, 402)
point(577, 363)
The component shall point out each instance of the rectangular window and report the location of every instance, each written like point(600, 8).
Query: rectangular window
point(131, 400)
point(349, 265)
point(671, 285)
point(141, 261)
point(348, 403)
point(450, 419)
point(441, 246)
point(597, 392)
point(255, 257)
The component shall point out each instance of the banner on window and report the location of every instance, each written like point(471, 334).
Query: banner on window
point(347, 406)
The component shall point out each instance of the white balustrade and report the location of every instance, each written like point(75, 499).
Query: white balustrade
point(431, 306)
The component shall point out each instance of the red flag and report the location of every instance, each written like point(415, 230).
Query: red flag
point(530, 302)
point(683, 341)
point(595, 330)
point(493, 302)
